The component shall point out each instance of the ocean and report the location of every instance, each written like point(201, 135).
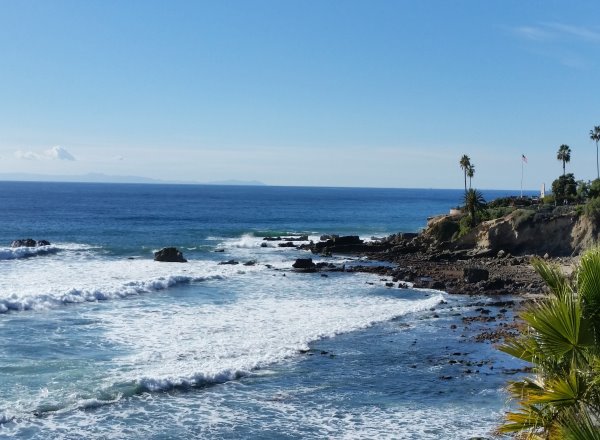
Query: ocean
point(98, 341)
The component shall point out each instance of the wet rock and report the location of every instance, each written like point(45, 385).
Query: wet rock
point(169, 255)
point(305, 264)
point(250, 263)
point(229, 262)
point(286, 244)
point(29, 242)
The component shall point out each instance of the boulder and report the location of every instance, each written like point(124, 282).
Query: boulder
point(299, 238)
point(29, 242)
point(347, 239)
point(169, 255)
point(286, 244)
point(474, 275)
point(228, 262)
point(26, 242)
point(304, 264)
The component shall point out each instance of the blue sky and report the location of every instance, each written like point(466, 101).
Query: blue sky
point(335, 93)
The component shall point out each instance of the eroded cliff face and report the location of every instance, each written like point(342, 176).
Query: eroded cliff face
point(529, 232)
point(556, 235)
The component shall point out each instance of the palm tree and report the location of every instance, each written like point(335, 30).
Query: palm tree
point(595, 136)
point(474, 203)
point(562, 342)
point(465, 161)
point(564, 154)
point(470, 172)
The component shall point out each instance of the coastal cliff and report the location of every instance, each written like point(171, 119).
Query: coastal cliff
point(492, 257)
point(555, 233)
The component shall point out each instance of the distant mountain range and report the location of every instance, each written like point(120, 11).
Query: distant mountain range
point(104, 178)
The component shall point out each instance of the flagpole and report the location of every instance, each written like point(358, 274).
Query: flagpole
point(522, 166)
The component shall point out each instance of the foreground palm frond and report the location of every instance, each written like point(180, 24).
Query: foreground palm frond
point(561, 341)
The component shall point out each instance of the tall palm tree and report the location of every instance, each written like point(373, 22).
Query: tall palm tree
point(470, 172)
point(564, 154)
point(562, 342)
point(595, 136)
point(465, 161)
point(474, 203)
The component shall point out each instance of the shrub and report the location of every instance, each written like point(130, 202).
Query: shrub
point(494, 213)
point(444, 229)
point(592, 209)
point(549, 200)
point(594, 189)
point(464, 226)
point(521, 216)
point(564, 188)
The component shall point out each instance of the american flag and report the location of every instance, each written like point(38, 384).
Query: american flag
point(523, 158)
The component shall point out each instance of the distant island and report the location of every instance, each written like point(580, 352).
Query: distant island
point(105, 178)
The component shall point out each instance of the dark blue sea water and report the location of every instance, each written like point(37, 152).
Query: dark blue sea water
point(99, 341)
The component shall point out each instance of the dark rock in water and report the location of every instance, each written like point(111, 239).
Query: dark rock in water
point(326, 237)
point(263, 245)
point(272, 238)
point(250, 263)
point(29, 242)
point(304, 264)
point(287, 244)
point(438, 285)
point(299, 238)
point(231, 262)
point(348, 243)
point(474, 275)
point(169, 255)
point(347, 239)
point(219, 250)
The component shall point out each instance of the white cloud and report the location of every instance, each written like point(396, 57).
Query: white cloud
point(59, 153)
point(557, 32)
point(533, 33)
point(55, 153)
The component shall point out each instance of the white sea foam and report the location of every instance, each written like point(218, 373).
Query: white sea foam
point(26, 252)
point(215, 343)
point(60, 281)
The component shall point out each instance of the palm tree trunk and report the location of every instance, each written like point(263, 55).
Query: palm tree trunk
point(564, 168)
point(465, 180)
point(597, 168)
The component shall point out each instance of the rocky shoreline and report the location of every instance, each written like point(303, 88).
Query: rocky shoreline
point(413, 260)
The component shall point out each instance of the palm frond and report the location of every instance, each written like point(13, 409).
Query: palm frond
point(588, 287)
point(579, 425)
point(553, 277)
point(561, 332)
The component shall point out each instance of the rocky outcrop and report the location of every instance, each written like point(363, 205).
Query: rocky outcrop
point(475, 275)
point(169, 255)
point(29, 242)
point(304, 264)
point(553, 231)
point(348, 244)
